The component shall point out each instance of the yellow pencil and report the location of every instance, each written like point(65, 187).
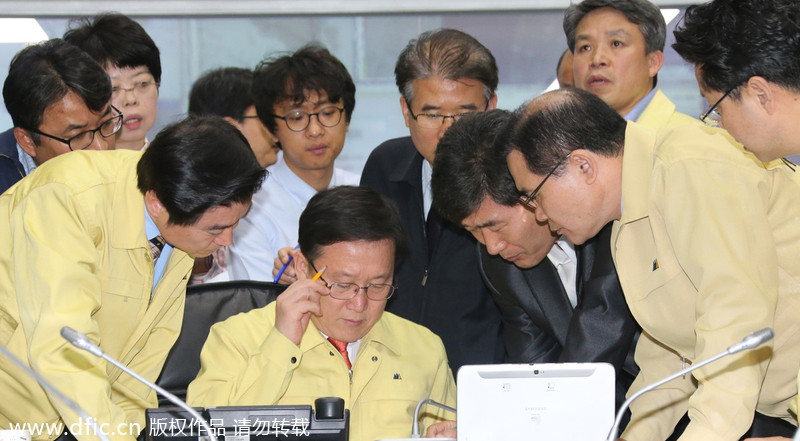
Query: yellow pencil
point(318, 274)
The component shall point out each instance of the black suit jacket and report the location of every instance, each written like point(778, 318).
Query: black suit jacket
point(11, 169)
point(454, 303)
point(540, 324)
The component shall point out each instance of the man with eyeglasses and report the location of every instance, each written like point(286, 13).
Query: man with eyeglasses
point(704, 241)
point(442, 75)
point(751, 77)
point(59, 101)
point(104, 242)
point(305, 100)
point(556, 307)
point(331, 336)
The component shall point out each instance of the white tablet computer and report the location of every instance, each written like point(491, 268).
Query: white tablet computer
point(548, 402)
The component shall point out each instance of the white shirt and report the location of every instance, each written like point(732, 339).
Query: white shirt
point(272, 221)
point(427, 196)
point(563, 257)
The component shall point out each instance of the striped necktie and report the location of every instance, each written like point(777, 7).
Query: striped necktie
point(156, 245)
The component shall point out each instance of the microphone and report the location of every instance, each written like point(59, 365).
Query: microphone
point(750, 341)
point(415, 428)
point(81, 341)
point(52, 389)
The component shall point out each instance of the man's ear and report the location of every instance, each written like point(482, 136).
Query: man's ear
point(155, 208)
point(300, 265)
point(233, 121)
point(655, 61)
point(763, 92)
point(25, 141)
point(492, 103)
point(404, 106)
point(586, 162)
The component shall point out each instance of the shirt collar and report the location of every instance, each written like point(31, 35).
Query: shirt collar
point(26, 160)
point(637, 110)
point(285, 177)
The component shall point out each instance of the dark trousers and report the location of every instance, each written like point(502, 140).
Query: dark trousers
point(763, 426)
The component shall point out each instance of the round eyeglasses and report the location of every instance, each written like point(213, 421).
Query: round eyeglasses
point(83, 140)
point(347, 291)
point(297, 120)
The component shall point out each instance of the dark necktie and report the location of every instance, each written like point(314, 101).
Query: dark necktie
point(156, 245)
point(433, 230)
point(341, 346)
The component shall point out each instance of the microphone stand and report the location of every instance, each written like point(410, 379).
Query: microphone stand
point(751, 341)
point(52, 389)
point(415, 426)
point(81, 341)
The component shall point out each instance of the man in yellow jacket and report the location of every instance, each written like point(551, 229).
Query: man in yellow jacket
point(75, 250)
point(328, 334)
point(705, 245)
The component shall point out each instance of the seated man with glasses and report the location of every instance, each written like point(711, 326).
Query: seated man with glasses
point(132, 60)
point(58, 99)
point(305, 100)
point(328, 334)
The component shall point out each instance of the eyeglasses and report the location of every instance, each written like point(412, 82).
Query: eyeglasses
point(347, 291)
point(297, 120)
point(140, 89)
point(528, 200)
point(712, 116)
point(435, 120)
point(84, 139)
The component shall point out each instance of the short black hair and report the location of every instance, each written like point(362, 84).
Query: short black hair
point(42, 74)
point(566, 120)
point(223, 92)
point(115, 40)
point(197, 164)
point(449, 54)
point(292, 76)
point(471, 165)
point(734, 40)
point(347, 213)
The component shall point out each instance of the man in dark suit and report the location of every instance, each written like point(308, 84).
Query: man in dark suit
point(442, 75)
point(59, 101)
point(557, 306)
point(11, 169)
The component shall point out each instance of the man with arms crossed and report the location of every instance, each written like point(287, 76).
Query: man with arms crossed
point(104, 242)
point(331, 337)
point(618, 49)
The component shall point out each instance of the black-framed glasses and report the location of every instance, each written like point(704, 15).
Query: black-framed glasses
point(435, 120)
point(712, 115)
point(82, 140)
point(529, 200)
point(297, 120)
point(347, 291)
point(141, 88)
